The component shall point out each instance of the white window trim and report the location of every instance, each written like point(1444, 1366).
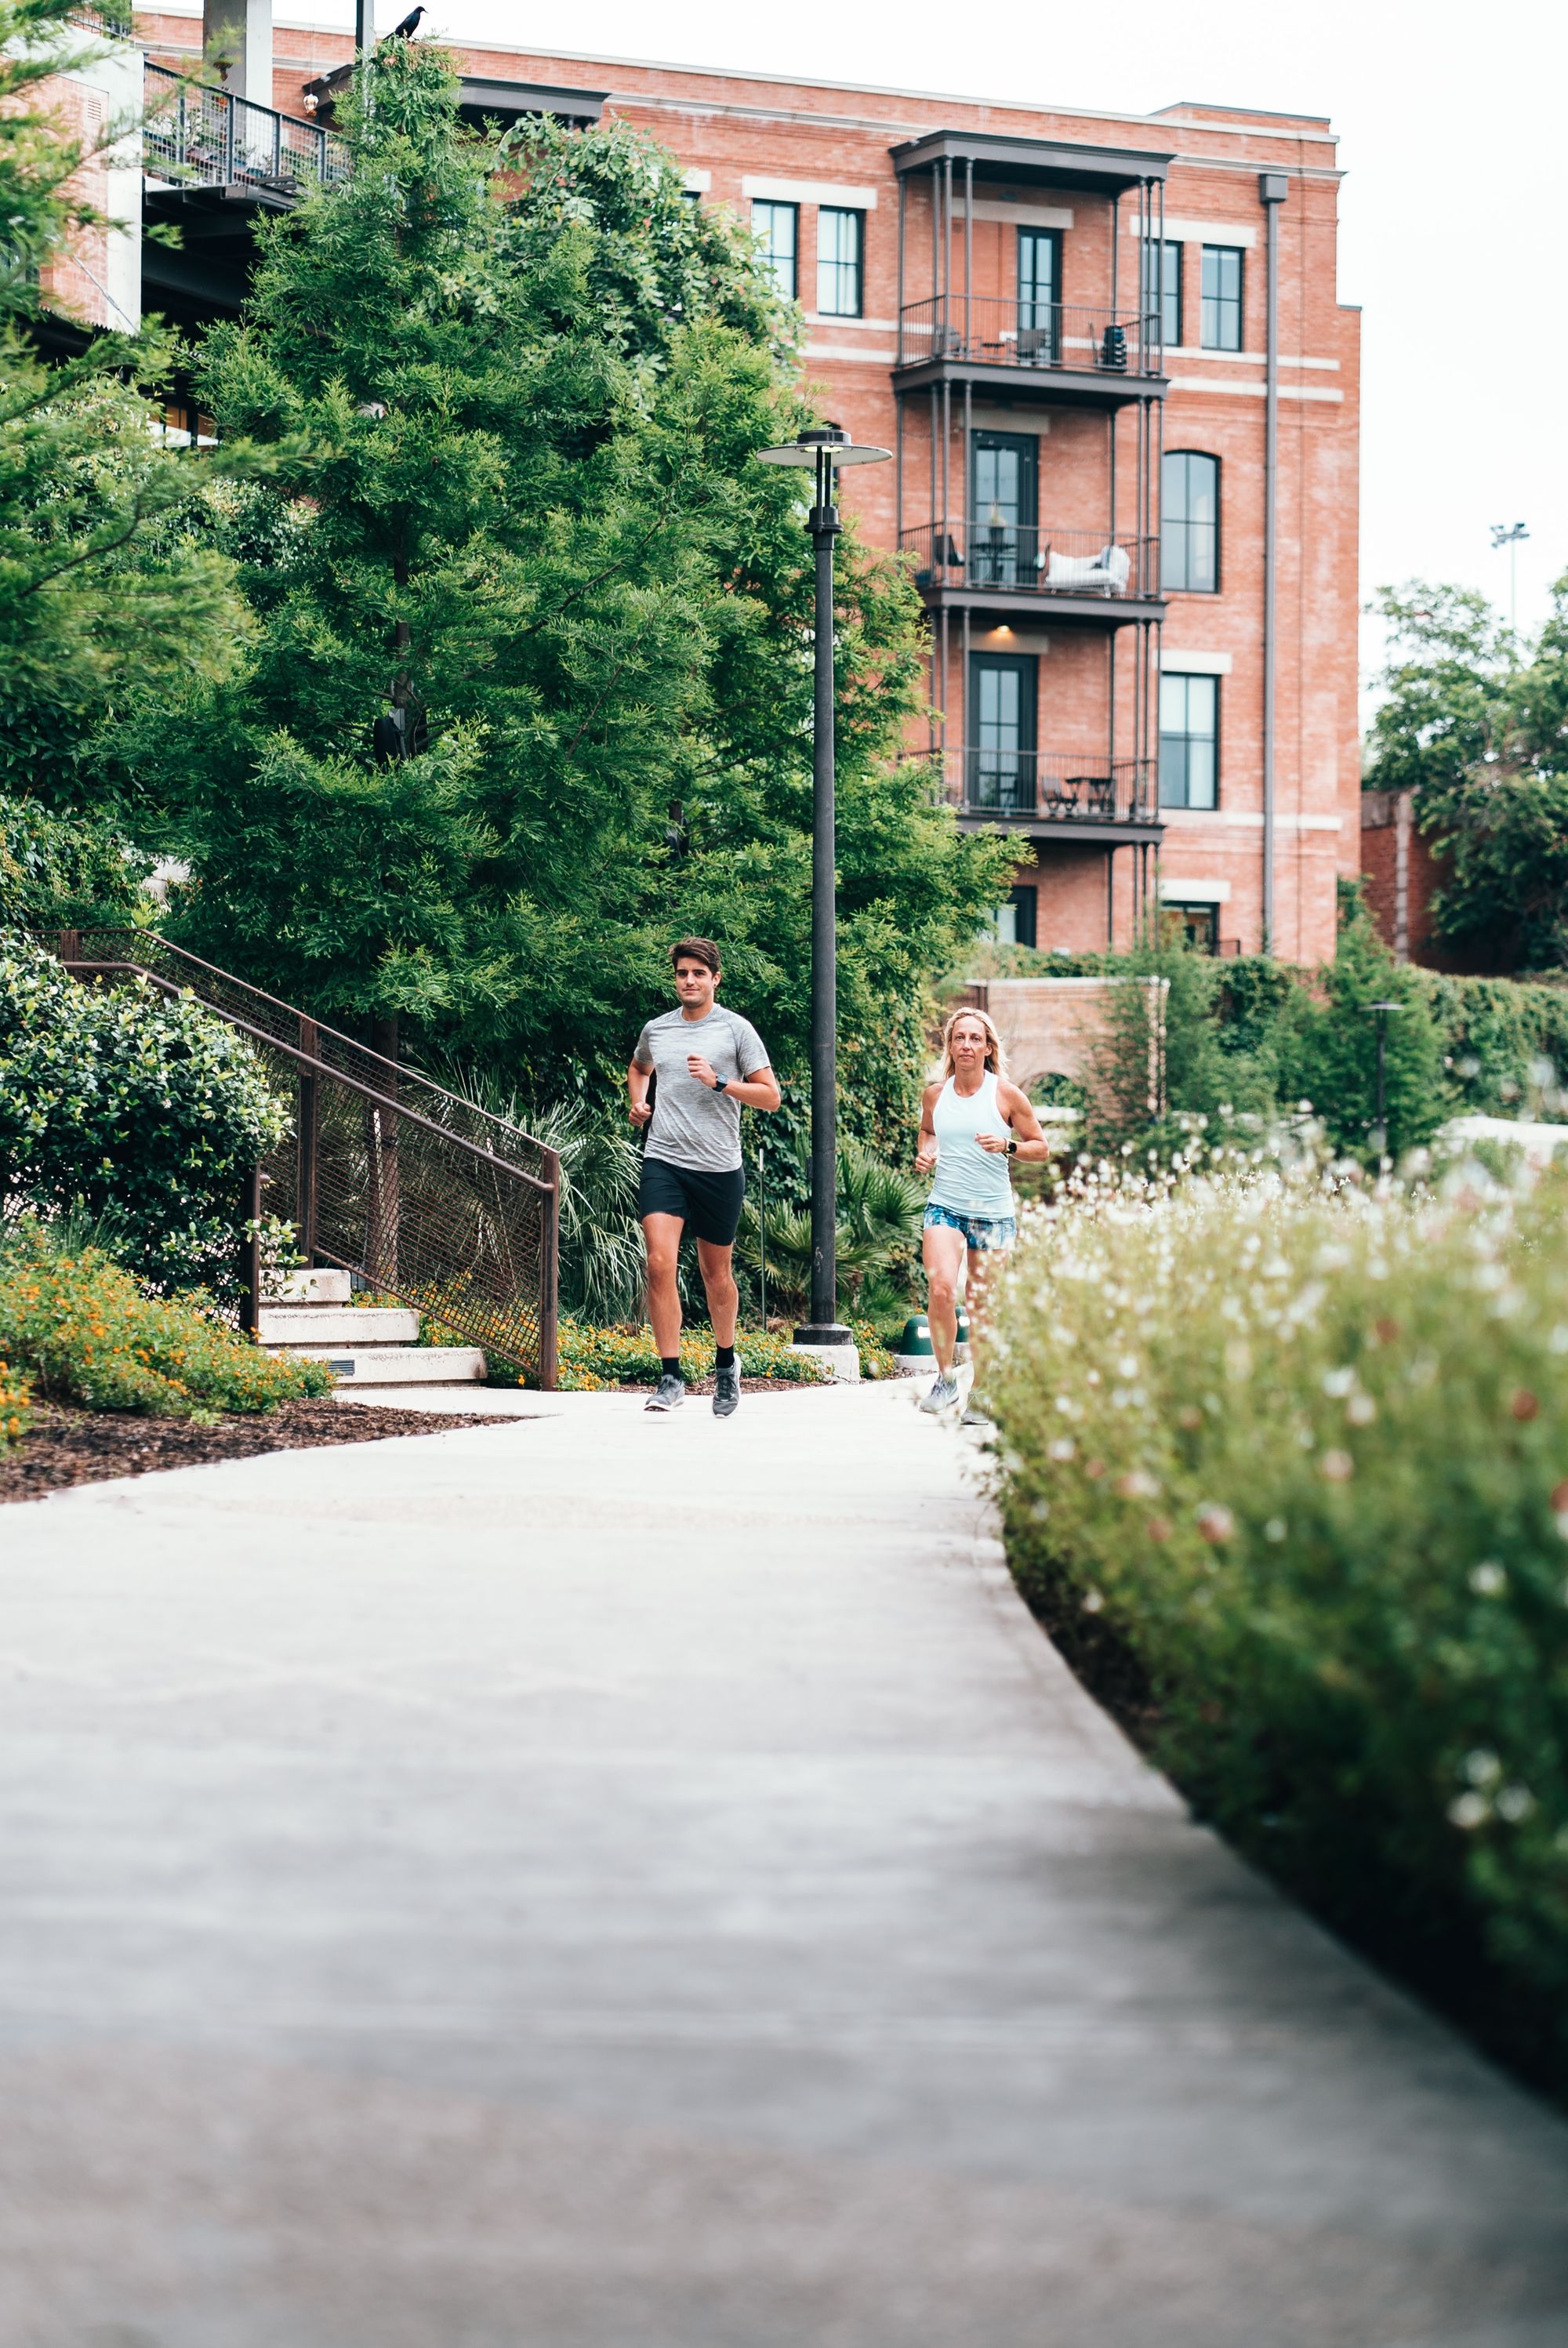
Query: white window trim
point(1190, 232)
point(1194, 893)
point(810, 191)
point(1019, 215)
point(698, 183)
point(1185, 664)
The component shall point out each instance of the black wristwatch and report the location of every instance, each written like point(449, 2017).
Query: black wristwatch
point(1012, 1147)
point(721, 1084)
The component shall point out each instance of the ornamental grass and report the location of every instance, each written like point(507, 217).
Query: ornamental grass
point(1287, 1455)
point(86, 1332)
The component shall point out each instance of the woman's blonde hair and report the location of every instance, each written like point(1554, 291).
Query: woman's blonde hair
point(995, 1054)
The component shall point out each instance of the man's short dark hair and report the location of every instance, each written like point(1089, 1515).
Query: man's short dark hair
point(701, 950)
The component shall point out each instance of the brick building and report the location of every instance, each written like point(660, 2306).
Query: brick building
point(1058, 320)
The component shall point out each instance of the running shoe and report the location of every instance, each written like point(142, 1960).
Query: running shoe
point(726, 1391)
point(943, 1394)
point(668, 1395)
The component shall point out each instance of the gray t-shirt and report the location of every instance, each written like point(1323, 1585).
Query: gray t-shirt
point(693, 1125)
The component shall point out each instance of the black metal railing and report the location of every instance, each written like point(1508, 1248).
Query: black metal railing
point(196, 136)
point(1033, 559)
point(1076, 338)
point(384, 1172)
point(1064, 787)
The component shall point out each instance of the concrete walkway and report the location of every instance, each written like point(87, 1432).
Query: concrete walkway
point(604, 1882)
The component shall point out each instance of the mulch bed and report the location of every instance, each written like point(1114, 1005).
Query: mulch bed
point(84, 1447)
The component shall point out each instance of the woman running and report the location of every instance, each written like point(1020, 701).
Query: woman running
point(971, 1121)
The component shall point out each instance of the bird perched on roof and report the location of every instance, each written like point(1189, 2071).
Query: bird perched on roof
point(410, 26)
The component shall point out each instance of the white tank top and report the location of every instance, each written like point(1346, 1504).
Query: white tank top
point(970, 1180)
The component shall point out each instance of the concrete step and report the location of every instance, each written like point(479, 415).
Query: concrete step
point(306, 1288)
point(335, 1324)
point(420, 1365)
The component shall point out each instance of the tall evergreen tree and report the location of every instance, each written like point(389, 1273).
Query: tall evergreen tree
point(88, 597)
point(529, 691)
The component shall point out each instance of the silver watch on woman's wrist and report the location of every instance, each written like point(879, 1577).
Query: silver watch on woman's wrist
point(1012, 1147)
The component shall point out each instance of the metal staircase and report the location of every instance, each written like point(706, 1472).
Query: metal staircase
point(385, 1174)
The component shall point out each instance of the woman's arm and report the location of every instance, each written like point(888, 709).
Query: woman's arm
point(925, 1155)
point(1018, 1111)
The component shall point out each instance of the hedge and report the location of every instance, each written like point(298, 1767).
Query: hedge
point(1296, 1458)
point(127, 1102)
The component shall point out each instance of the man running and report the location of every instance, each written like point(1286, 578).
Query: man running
point(710, 1065)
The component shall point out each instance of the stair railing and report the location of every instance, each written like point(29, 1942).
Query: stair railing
point(384, 1172)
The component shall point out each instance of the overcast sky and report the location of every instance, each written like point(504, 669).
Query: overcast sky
point(1454, 212)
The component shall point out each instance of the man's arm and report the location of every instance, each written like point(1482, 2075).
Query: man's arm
point(759, 1090)
point(637, 1081)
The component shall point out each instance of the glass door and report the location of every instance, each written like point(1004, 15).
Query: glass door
point(1003, 517)
point(1039, 296)
point(999, 760)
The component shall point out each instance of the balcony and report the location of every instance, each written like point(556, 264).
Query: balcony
point(1072, 793)
point(196, 137)
point(212, 163)
point(1061, 350)
point(990, 566)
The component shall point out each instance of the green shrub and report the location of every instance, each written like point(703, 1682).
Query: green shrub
point(90, 1335)
point(1305, 1457)
point(60, 871)
point(16, 1399)
point(127, 1100)
point(594, 1358)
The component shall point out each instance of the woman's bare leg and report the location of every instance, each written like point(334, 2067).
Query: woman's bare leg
point(943, 1252)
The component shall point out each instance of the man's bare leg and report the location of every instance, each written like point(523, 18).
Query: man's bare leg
point(717, 1265)
point(662, 1241)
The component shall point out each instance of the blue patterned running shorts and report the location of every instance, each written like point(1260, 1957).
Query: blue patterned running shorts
point(980, 1231)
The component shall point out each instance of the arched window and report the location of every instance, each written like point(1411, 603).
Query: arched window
point(1190, 523)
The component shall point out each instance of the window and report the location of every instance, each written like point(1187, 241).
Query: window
point(1040, 295)
point(1190, 523)
point(1002, 514)
point(1197, 925)
point(1189, 740)
point(1221, 297)
point(999, 759)
point(1162, 286)
point(779, 226)
point(1014, 922)
point(841, 249)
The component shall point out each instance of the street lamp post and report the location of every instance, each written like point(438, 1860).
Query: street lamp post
point(1380, 1130)
point(822, 450)
point(1509, 534)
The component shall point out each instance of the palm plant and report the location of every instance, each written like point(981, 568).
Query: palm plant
point(879, 1213)
point(601, 1238)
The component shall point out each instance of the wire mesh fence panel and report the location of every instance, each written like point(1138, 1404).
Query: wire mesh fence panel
point(383, 1172)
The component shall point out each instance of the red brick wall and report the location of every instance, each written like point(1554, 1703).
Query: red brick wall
point(733, 126)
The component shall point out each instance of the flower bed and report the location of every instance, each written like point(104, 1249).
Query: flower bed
point(87, 1333)
point(1294, 1463)
point(592, 1359)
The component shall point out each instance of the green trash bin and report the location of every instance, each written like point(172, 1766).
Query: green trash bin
point(915, 1343)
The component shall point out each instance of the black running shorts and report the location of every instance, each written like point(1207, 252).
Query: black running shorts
point(711, 1203)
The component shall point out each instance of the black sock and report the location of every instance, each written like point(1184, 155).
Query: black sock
point(726, 1357)
point(670, 1366)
